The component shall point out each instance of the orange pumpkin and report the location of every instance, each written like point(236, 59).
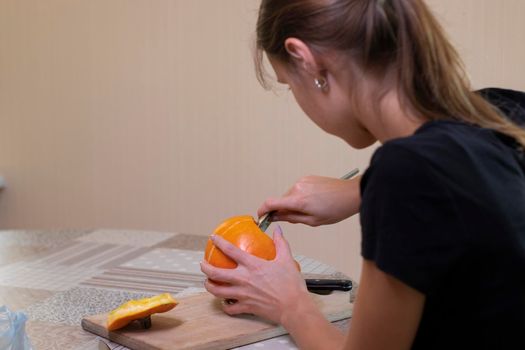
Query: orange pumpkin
point(243, 232)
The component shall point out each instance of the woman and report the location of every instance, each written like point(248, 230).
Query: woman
point(442, 203)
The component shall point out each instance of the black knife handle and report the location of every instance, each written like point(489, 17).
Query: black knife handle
point(328, 285)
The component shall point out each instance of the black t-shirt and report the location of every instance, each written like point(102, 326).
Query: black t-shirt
point(443, 211)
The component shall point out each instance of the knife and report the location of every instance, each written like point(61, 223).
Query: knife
point(327, 286)
point(265, 220)
point(319, 286)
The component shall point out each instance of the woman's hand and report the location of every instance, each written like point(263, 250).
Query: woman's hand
point(316, 200)
point(273, 290)
point(269, 289)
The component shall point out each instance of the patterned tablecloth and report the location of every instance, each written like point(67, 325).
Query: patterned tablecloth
point(57, 277)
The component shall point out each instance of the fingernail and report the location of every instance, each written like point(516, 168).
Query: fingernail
point(212, 237)
point(279, 229)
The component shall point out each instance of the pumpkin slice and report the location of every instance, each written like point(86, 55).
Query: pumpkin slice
point(136, 309)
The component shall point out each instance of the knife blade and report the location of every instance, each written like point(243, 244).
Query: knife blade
point(265, 220)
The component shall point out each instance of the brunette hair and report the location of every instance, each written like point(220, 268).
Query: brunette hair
point(380, 35)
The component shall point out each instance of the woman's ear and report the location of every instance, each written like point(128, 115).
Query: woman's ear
point(302, 55)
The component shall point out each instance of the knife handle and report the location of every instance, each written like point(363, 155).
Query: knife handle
point(326, 286)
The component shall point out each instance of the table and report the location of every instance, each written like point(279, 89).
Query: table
point(57, 277)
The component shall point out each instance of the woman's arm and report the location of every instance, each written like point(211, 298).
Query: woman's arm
point(316, 200)
point(386, 312)
point(309, 328)
point(386, 315)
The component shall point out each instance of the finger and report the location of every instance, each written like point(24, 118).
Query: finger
point(218, 274)
point(235, 253)
point(230, 294)
point(236, 308)
point(220, 291)
point(286, 203)
point(282, 247)
point(270, 204)
point(295, 217)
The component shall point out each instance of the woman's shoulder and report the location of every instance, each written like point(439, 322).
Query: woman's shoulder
point(448, 142)
point(399, 165)
point(436, 143)
point(439, 152)
point(441, 137)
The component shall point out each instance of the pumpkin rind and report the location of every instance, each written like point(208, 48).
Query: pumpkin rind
point(243, 232)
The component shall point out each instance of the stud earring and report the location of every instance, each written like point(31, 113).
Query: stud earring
point(320, 83)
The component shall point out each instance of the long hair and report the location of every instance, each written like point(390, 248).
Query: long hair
point(381, 35)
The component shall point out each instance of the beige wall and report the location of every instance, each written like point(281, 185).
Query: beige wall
point(147, 115)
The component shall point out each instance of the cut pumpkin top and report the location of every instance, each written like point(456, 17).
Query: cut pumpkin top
point(140, 308)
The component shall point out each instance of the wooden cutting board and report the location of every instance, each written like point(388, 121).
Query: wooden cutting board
point(199, 323)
